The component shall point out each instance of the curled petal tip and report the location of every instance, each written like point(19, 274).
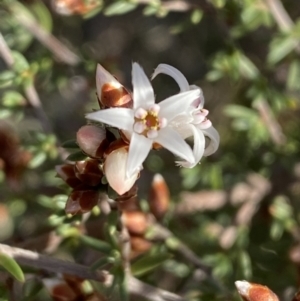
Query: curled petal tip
point(242, 286)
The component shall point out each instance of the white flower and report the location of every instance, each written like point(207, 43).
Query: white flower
point(193, 121)
point(148, 122)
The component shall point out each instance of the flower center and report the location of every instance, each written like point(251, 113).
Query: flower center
point(147, 122)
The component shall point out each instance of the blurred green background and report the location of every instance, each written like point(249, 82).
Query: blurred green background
point(239, 209)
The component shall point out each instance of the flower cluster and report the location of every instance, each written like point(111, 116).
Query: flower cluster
point(128, 126)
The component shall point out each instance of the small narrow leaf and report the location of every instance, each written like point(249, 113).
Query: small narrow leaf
point(119, 8)
point(147, 263)
point(96, 244)
point(70, 144)
point(11, 266)
point(77, 156)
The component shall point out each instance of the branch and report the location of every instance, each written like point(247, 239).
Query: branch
point(282, 18)
point(42, 262)
point(158, 232)
point(30, 91)
point(280, 15)
point(62, 52)
point(271, 123)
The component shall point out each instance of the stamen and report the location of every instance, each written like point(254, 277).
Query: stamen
point(152, 134)
point(204, 112)
point(154, 109)
point(205, 124)
point(140, 113)
point(139, 127)
point(163, 123)
point(198, 118)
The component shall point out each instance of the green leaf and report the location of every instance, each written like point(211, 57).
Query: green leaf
point(20, 63)
point(40, 10)
point(218, 3)
point(119, 8)
point(77, 156)
point(293, 81)
point(239, 111)
point(6, 78)
point(196, 16)
point(214, 75)
point(147, 263)
point(11, 266)
point(13, 99)
point(102, 262)
point(150, 10)
point(280, 48)
point(37, 160)
point(96, 244)
point(70, 144)
point(245, 265)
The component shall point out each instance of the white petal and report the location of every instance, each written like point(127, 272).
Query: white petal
point(143, 95)
point(198, 149)
point(243, 287)
point(139, 149)
point(115, 171)
point(104, 77)
point(172, 141)
point(177, 104)
point(199, 103)
point(173, 72)
point(214, 140)
point(120, 118)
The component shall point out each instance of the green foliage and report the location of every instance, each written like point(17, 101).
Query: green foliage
point(242, 57)
point(11, 266)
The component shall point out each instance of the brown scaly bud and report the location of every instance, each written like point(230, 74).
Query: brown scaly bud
point(159, 197)
point(92, 140)
point(13, 160)
point(115, 171)
point(81, 201)
point(139, 245)
point(110, 92)
point(74, 7)
point(129, 201)
point(67, 173)
point(255, 292)
point(296, 297)
point(88, 172)
point(59, 290)
point(135, 221)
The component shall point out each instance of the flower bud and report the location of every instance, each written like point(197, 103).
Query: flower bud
point(67, 173)
point(72, 7)
point(115, 171)
point(135, 221)
point(159, 197)
point(92, 140)
point(139, 244)
point(88, 172)
point(110, 92)
point(59, 290)
point(81, 201)
point(255, 292)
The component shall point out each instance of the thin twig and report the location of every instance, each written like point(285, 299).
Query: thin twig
point(61, 51)
point(270, 121)
point(30, 91)
point(5, 52)
point(282, 18)
point(158, 232)
point(42, 262)
point(280, 15)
